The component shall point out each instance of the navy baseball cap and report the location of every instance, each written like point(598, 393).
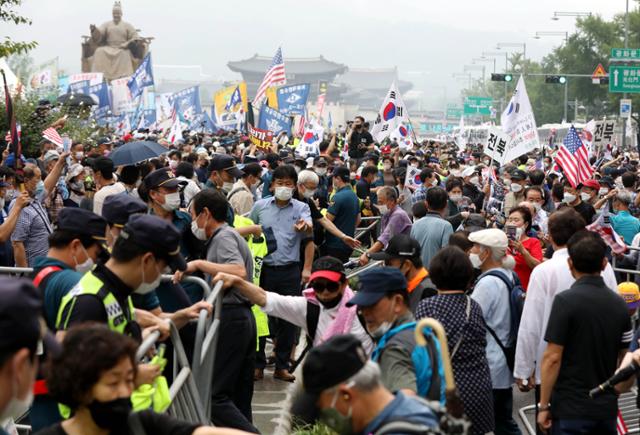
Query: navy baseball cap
point(157, 235)
point(21, 321)
point(162, 177)
point(376, 283)
point(400, 246)
point(342, 173)
point(118, 208)
point(80, 221)
point(223, 162)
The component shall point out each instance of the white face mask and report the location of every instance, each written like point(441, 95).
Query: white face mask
point(283, 193)
point(198, 232)
point(321, 171)
point(537, 206)
point(455, 198)
point(381, 330)
point(17, 407)
point(434, 182)
point(173, 164)
point(79, 155)
point(515, 187)
point(1, 202)
point(603, 191)
point(146, 287)
point(227, 186)
point(171, 201)
point(85, 266)
point(569, 198)
point(476, 262)
point(382, 208)
point(309, 193)
point(473, 180)
point(585, 196)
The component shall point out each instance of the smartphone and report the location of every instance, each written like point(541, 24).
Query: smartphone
point(511, 232)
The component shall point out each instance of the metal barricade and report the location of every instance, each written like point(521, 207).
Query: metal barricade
point(16, 271)
point(205, 346)
point(627, 271)
point(357, 271)
point(371, 221)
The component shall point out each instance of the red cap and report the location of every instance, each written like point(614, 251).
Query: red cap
point(386, 149)
point(327, 274)
point(591, 184)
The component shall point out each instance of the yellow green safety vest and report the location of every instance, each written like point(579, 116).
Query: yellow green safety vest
point(117, 318)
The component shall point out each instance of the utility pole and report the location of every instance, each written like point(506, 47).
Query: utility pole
point(626, 45)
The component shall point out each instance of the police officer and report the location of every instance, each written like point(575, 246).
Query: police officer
point(116, 210)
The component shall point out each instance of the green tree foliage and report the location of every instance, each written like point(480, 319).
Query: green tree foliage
point(8, 14)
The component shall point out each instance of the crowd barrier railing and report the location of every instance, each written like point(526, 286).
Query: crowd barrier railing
point(614, 262)
point(371, 221)
point(16, 271)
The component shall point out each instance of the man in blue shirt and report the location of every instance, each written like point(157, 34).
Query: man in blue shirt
point(342, 388)
point(622, 222)
point(344, 212)
point(285, 221)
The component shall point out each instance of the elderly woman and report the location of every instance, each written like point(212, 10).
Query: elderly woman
point(461, 317)
point(526, 251)
point(95, 375)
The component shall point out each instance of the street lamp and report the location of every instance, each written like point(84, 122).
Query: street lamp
point(522, 45)
point(557, 15)
point(485, 59)
point(540, 35)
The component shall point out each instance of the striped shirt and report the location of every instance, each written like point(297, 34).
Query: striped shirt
point(33, 229)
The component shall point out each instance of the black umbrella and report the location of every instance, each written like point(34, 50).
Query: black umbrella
point(135, 152)
point(76, 100)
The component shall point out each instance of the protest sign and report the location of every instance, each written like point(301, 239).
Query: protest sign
point(603, 133)
point(497, 145)
point(260, 138)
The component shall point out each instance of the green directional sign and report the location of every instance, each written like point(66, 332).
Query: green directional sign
point(454, 112)
point(624, 79)
point(622, 54)
point(478, 105)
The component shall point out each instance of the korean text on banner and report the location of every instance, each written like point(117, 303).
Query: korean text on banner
point(121, 97)
point(260, 138)
point(518, 122)
point(292, 99)
point(497, 145)
point(274, 121)
point(603, 133)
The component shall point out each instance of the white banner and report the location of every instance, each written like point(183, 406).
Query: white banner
point(518, 122)
point(497, 145)
point(121, 96)
point(95, 78)
point(603, 133)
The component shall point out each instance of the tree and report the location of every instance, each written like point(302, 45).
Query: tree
point(9, 15)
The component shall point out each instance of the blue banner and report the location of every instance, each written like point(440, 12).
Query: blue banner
point(187, 103)
point(202, 123)
point(81, 87)
point(102, 97)
point(292, 99)
point(234, 100)
point(141, 78)
point(147, 119)
point(274, 121)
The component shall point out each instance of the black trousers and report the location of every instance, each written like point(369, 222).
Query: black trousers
point(284, 280)
point(232, 388)
point(503, 413)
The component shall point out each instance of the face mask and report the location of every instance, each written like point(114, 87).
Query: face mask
point(434, 182)
point(171, 201)
point(79, 155)
point(332, 303)
point(473, 180)
point(39, 187)
point(381, 330)
point(321, 171)
point(341, 424)
point(111, 415)
point(537, 206)
point(603, 191)
point(414, 165)
point(198, 232)
point(86, 266)
point(146, 287)
point(569, 198)
point(11, 193)
point(383, 208)
point(297, 168)
point(455, 198)
point(476, 262)
point(585, 196)
point(455, 172)
point(387, 167)
point(173, 164)
point(515, 187)
point(1, 202)
point(309, 193)
point(17, 407)
point(283, 193)
point(227, 187)
point(77, 185)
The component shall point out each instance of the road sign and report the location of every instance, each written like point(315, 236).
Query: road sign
point(454, 112)
point(625, 54)
point(625, 107)
point(599, 72)
point(624, 78)
point(478, 105)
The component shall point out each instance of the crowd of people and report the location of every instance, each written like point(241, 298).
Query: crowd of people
point(509, 259)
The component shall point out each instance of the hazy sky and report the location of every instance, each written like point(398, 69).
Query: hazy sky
point(428, 40)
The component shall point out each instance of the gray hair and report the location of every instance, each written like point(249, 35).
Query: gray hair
point(624, 197)
point(497, 254)
point(390, 193)
point(367, 379)
point(307, 176)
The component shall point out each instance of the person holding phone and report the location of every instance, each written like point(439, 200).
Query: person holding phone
point(526, 251)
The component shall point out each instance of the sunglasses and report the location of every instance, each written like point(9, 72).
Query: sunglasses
point(320, 287)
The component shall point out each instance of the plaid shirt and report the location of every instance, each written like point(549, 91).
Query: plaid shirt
point(420, 194)
point(32, 229)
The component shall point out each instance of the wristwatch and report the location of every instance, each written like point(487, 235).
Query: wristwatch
point(542, 407)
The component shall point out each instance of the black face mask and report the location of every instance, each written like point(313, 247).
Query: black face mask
point(111, 415)
point(331, 303)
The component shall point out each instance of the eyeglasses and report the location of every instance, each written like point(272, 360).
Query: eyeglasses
point(320, 287)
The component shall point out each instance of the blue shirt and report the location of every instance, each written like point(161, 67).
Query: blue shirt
point(281, 221)
point(58, 285)
point(403, 408)
point(345, 210)
point(432, 232)
point(625, 225)
point(266, 184)
point(420, 194)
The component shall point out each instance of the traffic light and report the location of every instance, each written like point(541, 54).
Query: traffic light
point(501, 77)
point(555, 79)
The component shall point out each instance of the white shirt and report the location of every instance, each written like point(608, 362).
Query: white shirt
point(101, 195)
point(293, 309)
point(547, 279)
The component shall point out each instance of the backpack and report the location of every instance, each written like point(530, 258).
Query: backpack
point(430, 381)
point(516, 305)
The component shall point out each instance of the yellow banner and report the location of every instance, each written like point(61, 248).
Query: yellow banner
point(272, 98)
point(223, 96)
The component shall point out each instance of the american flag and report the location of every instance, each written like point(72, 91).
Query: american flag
point(274, 77)
point(573, 157)
point(52, 135)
